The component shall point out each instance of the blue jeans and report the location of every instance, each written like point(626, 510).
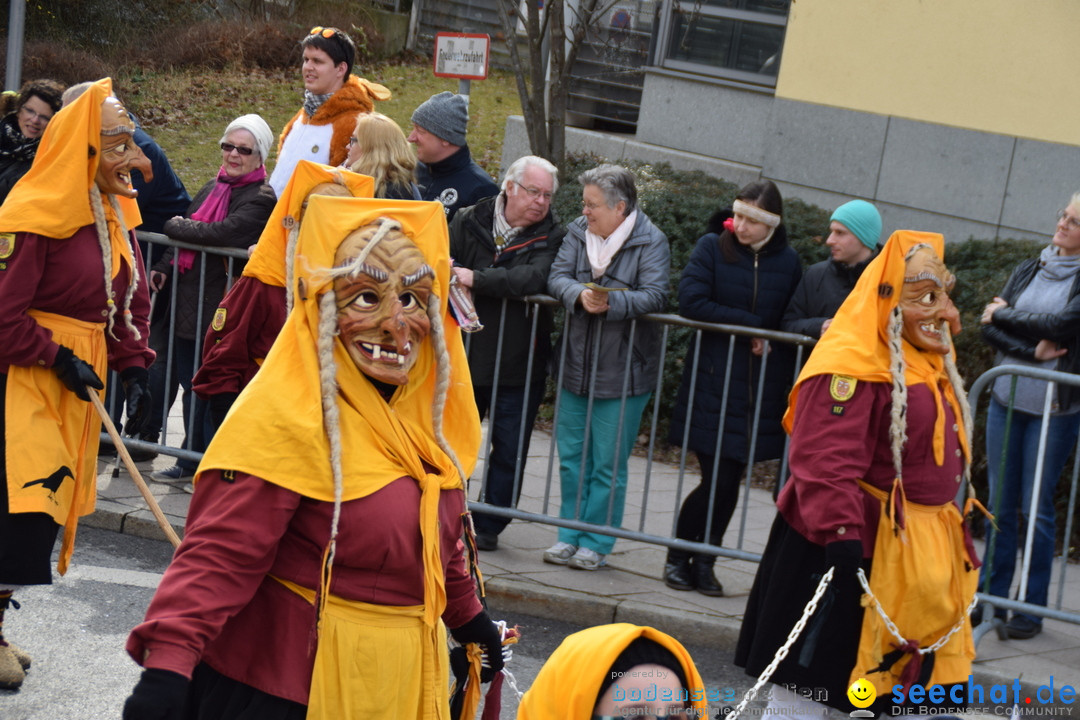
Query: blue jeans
point(1010, 495)
point(601, 464)
point(501, 487)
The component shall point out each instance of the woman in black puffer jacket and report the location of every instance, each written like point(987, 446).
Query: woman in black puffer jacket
point(742, 272)
point(230, 211)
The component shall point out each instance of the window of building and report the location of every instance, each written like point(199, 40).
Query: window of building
point(735, 39)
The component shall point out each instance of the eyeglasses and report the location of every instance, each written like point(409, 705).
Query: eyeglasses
point(1074, 223)
point(326, 32)
point(591, 206)
point(35, 116)
point(534, 193)
point(229, 147)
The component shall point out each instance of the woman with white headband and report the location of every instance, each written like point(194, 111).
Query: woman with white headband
point(742, 272)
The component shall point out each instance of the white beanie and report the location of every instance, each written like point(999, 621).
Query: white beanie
point(259, 130)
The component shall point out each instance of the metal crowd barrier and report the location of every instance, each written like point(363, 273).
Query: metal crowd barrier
point(1055, 610)
point(654, 496)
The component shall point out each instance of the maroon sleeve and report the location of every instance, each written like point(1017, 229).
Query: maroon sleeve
point(254, 314)
point(462, 603)
point(228, 549)
point(22, 341)
point(833, 444)
point(125, 350)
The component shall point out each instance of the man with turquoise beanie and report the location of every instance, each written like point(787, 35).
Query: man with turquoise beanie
point(854, 231)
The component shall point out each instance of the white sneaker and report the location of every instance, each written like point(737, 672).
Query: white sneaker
point(586, 559)
point(559, 553)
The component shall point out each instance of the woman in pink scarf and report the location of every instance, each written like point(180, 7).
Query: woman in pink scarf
point(229, 211)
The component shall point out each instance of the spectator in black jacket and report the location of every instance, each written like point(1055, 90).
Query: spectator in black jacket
point(1034, 323)
point(741, 272)
point(854, 231)
point(21, 128)
point(229, 211)
point(503, 248)
point(446, 171)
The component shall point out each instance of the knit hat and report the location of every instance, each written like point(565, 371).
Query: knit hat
point(445, 115)
point(862, 219)
point(259, 130)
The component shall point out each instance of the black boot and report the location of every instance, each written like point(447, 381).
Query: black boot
point(677, 572)
point(704, 580)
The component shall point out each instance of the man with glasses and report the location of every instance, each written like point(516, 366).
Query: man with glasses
point(503, 248)
point(446, 171)
point(320, 130)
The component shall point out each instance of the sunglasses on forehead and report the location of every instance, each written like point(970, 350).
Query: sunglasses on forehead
point(326, 32)
point(229, 147)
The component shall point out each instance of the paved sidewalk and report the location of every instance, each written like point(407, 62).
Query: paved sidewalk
point(629, 589)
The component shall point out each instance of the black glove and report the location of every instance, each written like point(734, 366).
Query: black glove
point(482, 631)
point(219, 406)
point(136, 382)
point(76, 374)
point(159, 695)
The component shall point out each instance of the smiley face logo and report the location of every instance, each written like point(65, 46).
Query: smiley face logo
point(862, 693)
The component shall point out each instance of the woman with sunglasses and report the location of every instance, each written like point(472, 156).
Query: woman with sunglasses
point(1035, 322)
point(230, 211)
point(378, 149)
point(21, 128)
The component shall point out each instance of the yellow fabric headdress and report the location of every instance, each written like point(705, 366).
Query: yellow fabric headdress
point(381, 441)
point(857, 342)
point(568, 683)
point(53, 198)
point(267, 262)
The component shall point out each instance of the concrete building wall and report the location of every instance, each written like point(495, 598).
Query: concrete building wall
point(999, 66)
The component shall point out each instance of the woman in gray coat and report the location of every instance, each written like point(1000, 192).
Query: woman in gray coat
point(612, 268)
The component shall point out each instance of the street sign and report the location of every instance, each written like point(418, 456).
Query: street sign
point(462, 55)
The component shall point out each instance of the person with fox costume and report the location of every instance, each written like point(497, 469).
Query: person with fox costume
point(250, 316)
point(333, 97)
point(73, 304)
point(880, 449)
point(322, 564)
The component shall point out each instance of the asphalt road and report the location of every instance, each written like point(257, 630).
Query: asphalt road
point(75, 630)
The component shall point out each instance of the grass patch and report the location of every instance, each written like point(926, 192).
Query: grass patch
point(187, 110)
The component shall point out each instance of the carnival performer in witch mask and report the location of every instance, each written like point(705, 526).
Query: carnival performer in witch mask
point(880, 449)
point(352, 501)
point(382, 305)
point(73, 304)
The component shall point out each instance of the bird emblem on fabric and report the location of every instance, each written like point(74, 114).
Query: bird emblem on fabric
point(53, 482)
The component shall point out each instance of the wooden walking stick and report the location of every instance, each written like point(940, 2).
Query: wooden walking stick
point(122, 452)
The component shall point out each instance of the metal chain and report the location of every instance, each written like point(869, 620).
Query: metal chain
point(783, 651)
point(895, 631)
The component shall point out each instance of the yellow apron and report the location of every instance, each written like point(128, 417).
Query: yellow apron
point(924, 582)
point(52, 435)
point(377, 661)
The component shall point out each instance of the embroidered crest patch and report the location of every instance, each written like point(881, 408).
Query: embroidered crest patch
point(219, 320)
point(842, 387)
point(7, 245)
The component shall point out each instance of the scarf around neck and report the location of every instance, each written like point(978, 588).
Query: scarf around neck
point(602, 250)
point(313, 102)
point(13, 144)
point(1054, 266)
point(216, 206)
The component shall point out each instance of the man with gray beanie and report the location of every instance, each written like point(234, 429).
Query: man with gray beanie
point(854, 231)
point(446, 171)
